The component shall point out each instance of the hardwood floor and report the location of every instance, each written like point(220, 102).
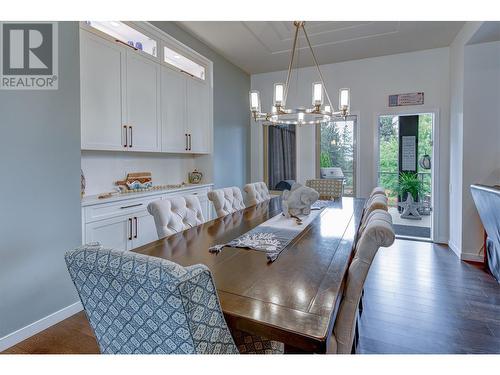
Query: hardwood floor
point(419, 298)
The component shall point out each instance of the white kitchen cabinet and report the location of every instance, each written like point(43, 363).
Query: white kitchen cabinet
point(114, 233)
point(133, 102)
point(174, 133)
point(143, 103)
point(125, 224)
point(198, 115)
point(144, 229)
point(120, 97)
point(185, 113)
point(102, 111)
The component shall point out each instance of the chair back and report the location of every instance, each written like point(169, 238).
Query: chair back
point(137, 304)
point(327, 188)
point(257, 192)
point(227, 200)
point(375, 202)
point(377, 232)
point(377, 190)
point(173, 215)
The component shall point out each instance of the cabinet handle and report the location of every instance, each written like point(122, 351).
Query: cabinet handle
point(126, 136)
point(126, 44)
point(131, 141)
point(130, 227)
point(186, 138)
point(132, 205)
point(183, 71)
point(135, 220)
point(189, 142)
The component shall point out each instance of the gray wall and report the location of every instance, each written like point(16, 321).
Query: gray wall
point(231, 113)
point(40, 192)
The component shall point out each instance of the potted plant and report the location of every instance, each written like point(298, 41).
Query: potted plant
point(409, 183)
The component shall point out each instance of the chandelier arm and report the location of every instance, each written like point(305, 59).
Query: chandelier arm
point(290, 66)
point(317, 67)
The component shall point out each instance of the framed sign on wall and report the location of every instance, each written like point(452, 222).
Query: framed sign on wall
point(415, 98)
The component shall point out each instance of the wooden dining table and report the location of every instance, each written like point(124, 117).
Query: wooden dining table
point(294, 299)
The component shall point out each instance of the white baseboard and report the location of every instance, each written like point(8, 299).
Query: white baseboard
point(442, 241)
point(454, 248)
point(472, 257)
point(32, 329)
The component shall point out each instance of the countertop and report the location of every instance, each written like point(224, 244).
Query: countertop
point(91, 200)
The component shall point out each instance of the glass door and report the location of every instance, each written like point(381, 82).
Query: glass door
point(405, 171)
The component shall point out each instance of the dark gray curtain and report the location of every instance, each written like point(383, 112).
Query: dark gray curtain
point(281, 155)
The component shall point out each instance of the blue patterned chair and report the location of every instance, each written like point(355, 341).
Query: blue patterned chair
point(137, 304)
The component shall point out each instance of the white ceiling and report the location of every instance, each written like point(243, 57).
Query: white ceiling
point(264, 46)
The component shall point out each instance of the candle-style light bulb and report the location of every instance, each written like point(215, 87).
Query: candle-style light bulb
point(344, 99)
point(279, 93)
point(317, 97)
point(254, 101)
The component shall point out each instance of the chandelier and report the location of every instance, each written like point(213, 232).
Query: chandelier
point(315, 115)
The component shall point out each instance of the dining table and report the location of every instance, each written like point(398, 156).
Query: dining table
point(294, 299)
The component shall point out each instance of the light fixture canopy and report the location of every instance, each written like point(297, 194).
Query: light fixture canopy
point(280, 115)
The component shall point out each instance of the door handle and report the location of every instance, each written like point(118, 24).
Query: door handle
point(131, 142)
point(189, 142)
point(135, 220)
point(130, 227)
point(186, 139)
point(126, 136)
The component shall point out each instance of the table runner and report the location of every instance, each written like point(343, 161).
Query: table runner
point(273, 235)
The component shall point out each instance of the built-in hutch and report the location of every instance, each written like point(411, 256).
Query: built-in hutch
point(141, 91)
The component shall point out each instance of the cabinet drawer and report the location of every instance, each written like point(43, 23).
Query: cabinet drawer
point(200, 192)
point(122, 208)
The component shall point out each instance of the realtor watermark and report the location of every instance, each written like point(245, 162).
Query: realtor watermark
point(29, 56)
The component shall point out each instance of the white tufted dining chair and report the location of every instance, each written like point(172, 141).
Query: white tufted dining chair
point(377, 190)
point(375, 202)
point(226, 200)
point(377, 232)
point(173, 215)
point(256, 192)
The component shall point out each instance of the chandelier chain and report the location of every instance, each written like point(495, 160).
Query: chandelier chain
point(317, 67)
point(290, 65)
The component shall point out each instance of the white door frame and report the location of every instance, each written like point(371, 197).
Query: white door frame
point(435, 176)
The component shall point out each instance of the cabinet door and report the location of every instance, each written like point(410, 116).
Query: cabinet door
point(143, 103)
point(111, 233)
point(102, 114)
point(198, 112)
point(173, 89)
point(144, 229)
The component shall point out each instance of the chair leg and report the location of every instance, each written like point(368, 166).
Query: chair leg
point(356, 336)
point(361, 302)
